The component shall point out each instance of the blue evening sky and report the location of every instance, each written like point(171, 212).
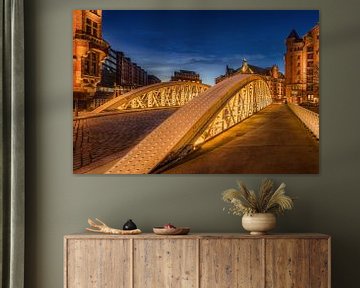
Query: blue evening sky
point(203, 40)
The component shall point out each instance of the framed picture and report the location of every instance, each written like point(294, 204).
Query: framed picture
point(196, 91)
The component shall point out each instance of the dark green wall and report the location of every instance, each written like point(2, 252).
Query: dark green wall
point(59, 203)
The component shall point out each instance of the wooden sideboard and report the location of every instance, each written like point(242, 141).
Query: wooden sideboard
point(197, 260)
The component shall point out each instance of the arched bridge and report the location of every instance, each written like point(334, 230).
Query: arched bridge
point(160, 95)
point(214, 111)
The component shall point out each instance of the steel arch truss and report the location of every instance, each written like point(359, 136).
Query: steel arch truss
point(157, 96)
point(250, 99)
point(213, 111)
point(168, 96)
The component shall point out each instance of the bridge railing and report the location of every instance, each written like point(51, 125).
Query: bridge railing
point(309, 118)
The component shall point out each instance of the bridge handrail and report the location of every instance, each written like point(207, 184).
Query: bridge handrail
point(309, 118)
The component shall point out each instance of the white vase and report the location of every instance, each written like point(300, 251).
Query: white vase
point(259, 223)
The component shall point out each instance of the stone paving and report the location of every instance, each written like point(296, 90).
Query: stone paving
point(99, 140)
point(272, 141)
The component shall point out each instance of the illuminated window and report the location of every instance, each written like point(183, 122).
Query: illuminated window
point(91, 64)
point(91, 27)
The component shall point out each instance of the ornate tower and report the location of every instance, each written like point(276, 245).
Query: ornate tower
point(302, 66)
point(89, 50)
point(245, 69)
point(274, 71)
point(294, 68)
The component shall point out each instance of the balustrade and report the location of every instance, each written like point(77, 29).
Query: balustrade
point(309, 118)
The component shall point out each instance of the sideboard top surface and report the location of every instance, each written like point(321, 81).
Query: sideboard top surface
point(86, 235)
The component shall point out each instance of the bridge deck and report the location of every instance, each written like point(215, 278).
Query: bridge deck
point(269, 142)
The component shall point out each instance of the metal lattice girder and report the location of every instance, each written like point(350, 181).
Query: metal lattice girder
point(188, 123)
point(160, 95)
point(250, 99)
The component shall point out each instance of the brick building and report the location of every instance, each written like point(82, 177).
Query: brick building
point(186, 75)
point(273, 77)
point(108, 72)
point(100, 72)
point(89, 50)
point(302, 66)
point(127, 74)
point(119, 75)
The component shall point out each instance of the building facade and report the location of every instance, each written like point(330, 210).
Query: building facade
point(302, 60)
point(125, 74)
point(89, 50)
point(273, 77)
point(100, 72)
point(120, 75)
point(152, 79)
point(186, 75)
point(108, 72)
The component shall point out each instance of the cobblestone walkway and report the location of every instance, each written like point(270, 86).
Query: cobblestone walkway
point(99, 140)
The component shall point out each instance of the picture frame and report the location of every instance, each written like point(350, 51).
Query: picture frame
point(178, 108)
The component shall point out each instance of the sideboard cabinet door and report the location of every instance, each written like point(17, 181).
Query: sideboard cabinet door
point(320, 263)
point(230, 263)
point(98, 263)
point(165, 263)
point(297, 263)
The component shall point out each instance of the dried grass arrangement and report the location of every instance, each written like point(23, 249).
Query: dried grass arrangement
point(247, 202)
